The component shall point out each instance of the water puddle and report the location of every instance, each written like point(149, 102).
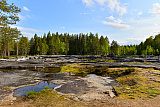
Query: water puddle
point(41, 86)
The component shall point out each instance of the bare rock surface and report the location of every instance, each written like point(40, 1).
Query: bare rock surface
point(14, 79)
point(91, 85)
point(88, 88)
point(61, 60)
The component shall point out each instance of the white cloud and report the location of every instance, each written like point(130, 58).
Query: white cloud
point(118, 21)
point(101, 2)
point(22, 17)
point(156, 24)
point(63, 27)
point(110, 18)
point(88, 3)
point(114, 5)
point(156, 9)
point(117, 25)
point(25, 8)
point(83, 13)
point(26, 33)
point(140, 13)
point(25, 29)
point(121, 42)
point(28, 16)
point(145, 28)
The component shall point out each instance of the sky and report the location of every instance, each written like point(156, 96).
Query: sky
point(125, 21)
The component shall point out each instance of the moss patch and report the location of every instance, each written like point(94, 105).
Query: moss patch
point(83, 70)
point(47, 98)
point(136, 85)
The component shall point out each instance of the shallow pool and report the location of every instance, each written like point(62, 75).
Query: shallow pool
point(41, 86)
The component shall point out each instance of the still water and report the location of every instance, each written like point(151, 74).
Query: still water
point(41, 86)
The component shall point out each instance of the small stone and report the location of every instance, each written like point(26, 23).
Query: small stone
point(127, 88)
point(75, 99)
point(111, 94)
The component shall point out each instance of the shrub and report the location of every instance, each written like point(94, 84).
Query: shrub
point(128, 71)
point(31, 92)
point(46, 87)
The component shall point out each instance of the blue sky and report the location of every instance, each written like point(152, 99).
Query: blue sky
point(126, 21)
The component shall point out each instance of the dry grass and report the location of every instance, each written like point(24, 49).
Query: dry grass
point(45, 98)
point(136, 85)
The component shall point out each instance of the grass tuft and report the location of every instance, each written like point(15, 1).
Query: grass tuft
point(31, 92)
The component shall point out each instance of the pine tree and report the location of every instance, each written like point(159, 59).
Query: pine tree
point(114, 47)
point(23, 45)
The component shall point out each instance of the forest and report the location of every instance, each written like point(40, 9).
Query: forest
point(75, 44)
point(12, 42)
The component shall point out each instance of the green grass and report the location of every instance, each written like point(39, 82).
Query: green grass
point(7, 88)
point(79, 70)
point(83, 70)
point(46, 87)
point(31, 92)
point(70, 68)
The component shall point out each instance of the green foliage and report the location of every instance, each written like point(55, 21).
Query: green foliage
point(7, 88)
point(83, 44)
point(23, 46)
point(31, 92)
point(8, 16)
point(9, 13)
point(46, 87)
point(83, 70)
point(114, 48)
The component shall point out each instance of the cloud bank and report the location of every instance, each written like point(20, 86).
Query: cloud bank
point(114, 5)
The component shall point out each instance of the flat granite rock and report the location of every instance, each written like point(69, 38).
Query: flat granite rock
point(90, 83)
point(70, 84)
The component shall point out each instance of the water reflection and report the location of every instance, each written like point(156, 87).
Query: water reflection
point(41, 86)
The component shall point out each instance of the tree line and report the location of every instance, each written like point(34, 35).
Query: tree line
point(58, 44)
point(78, 44)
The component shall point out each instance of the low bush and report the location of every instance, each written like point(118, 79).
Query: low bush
point(31, 92)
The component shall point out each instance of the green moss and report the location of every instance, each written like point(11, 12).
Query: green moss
point(104, 60)
point(46, 87)
point(49, 98)
point(135, 85)
point(31, 92)
point(70, 68)
point(7, 88)
point(83, 70)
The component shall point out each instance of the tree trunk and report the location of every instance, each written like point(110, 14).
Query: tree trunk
point(4, 50)
point(17, 49)
point(8, 51)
